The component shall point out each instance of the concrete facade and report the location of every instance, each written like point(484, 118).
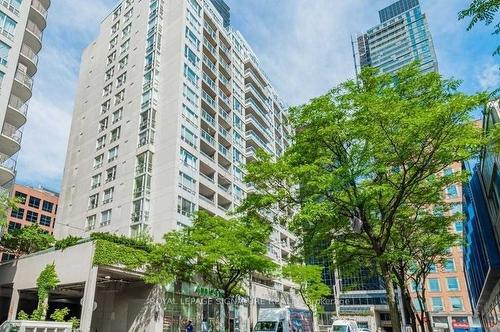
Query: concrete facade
point(21, 28)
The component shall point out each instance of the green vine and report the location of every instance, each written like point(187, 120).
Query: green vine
point(46, 282)
point(110, 253)
point(67, 242)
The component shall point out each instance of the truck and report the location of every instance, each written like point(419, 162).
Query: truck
point(283, 320)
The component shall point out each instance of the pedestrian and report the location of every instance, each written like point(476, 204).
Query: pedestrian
point(189, 326)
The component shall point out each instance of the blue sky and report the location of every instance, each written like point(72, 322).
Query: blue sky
point(303, 45)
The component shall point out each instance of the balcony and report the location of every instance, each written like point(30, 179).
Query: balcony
point(224, 118)
point(253, 124)
point(16, 112)
point(22, 86)
point(7, 169)
point(209, 50)
point(208, 118)
point(256, 141)
point(38, 14)
point(252, 107)
point(209, 100)
point(251, 92)
point(30, 59)
point(141, 217)
point(209, 83)
point(208, 138)
point(33, 36)
point(207, 63)
point(226, 69)
point(10, 139)
point(209, 33)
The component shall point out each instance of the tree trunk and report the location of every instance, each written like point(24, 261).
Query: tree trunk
point(227, 318)
point(389, 286)
point(425, 312)
point(408, 308)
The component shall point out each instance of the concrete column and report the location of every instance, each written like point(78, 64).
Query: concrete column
point(14, 302)
point(88, 300)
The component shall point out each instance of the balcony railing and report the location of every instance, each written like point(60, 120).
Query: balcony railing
point(210, 82)
point(209, 63)
point(207, 137)
point(24, 79)
point(39, 8)
point(29, 53)
point(224, 115)
point(206, 199)
point(34, 29)
point(209, 46)
point(252, 134)
point(7, 162)
point(210, 119)
point(264, 115)
point(224, 151)
point(140, 217)
point(16, 103)
point(207, 177)
point(258, 125)
point(12, 132)
point(210, 30)
point(209, 99)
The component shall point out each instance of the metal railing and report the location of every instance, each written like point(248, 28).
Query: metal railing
point(29, 53)
point(209, 63)
point(24, 78)
point(37, 5)
point(16, 103)
point(12, 132)
point(209, 99)
point(7, 162)
point(210, 119)
point(34, 29)
point(210, 82)
point(207, 137)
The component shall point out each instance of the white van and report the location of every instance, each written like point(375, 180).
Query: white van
point(342, 325)
point(283, 320)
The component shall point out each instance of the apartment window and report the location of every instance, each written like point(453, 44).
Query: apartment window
point(105, 106)
point(17, 213)
point(452, 283)
point(111, 174)
point(34, 202)
point(415, 287)
point(185, 207)
point(437, 304)
point(188, 136)
point(115, 27)
point(45, 220)
point(238, 173)
point(111, 58)
point(433, 268)
point(4, 53)
point(237, 122)
point(146, 137)
point(194, 4)
point(112, 154)
point(459, 227)
point(128, 15)
point(238, 193)
point(433, 285)
point(108, 196)
point(125, 46)
point(95, 181)
point(191, 56)
point(190, 75)
point(438, 211)
point(90, 222)
point(190, 95)
point(14, 226)
point(119, 97)
point(237, 156)
point(191, 116)
point(101, 142)
point(116, 116)
point(20, 197)
point(121, 80)
point(105, 217)
point(109, 73)
point(417, 304)
point(456, 303)
point(117, 12)
point(126, 31)
point(115, 134)
point(107, 90)
point(128, 3)
point(47, 206)
point(98, 161)
point(456, 208)
point(192, 38)
point(103, 124)
point(449, 265)
point(93, 201)
point(31, 216)
point(448, 171)
point(187, 183)
point(452, 191)
point(188, 159)
point(123, 62)
point(7, 25)
point(113, 43)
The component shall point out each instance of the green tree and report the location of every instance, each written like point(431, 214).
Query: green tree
point(6, 204)
point(310, 283)
point(363, 155)
point(27, 240)
point(483, 11)
point(222, 252)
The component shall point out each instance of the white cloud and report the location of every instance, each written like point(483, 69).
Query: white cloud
point(489, 76)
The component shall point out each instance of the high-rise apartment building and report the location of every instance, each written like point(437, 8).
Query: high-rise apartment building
point(170, 106)
point(402, 36)
point(36, 206)
point(21, 26)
